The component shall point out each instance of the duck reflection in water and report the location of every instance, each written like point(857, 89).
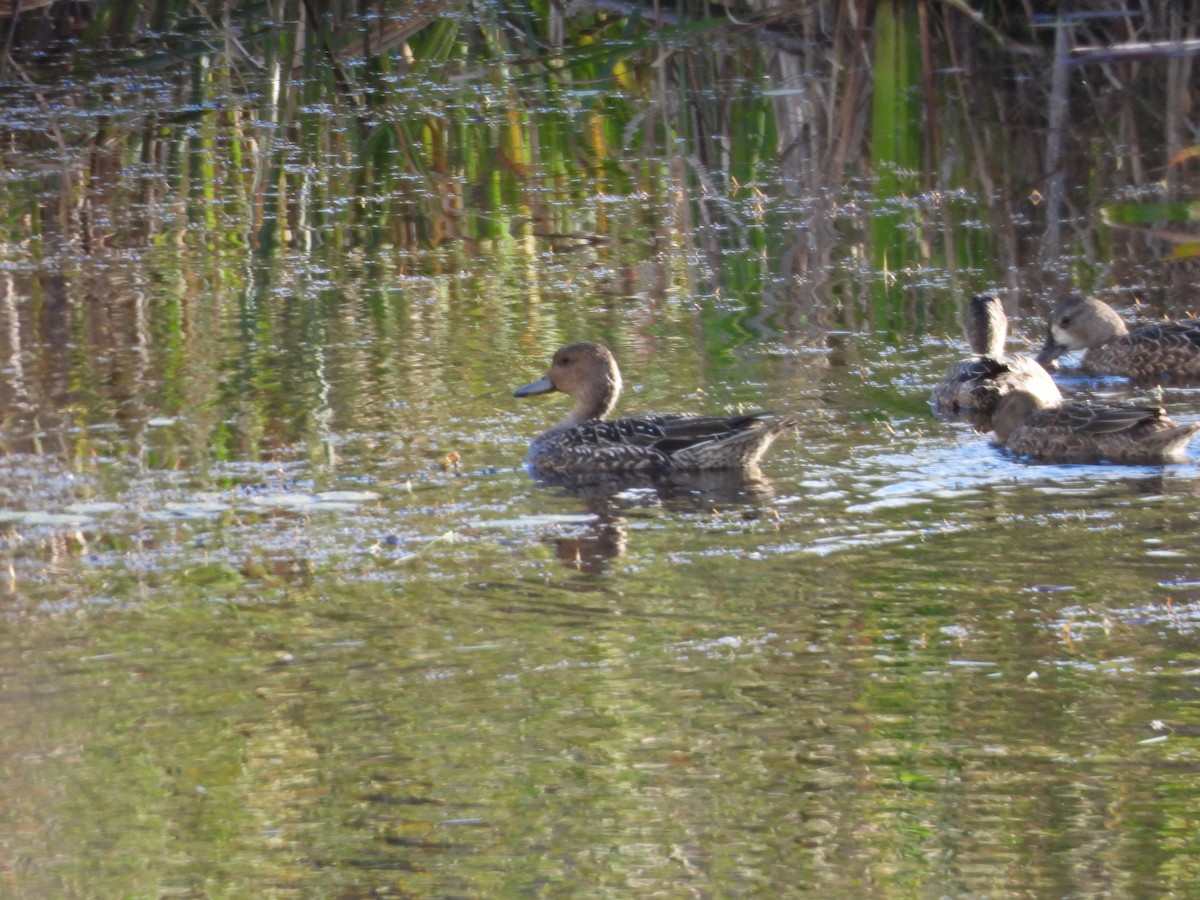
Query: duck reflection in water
point(614, 502)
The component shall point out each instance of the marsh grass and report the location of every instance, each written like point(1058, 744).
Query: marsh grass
point(905, 136)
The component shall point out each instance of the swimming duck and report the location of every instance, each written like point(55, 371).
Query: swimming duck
point(1162, 351)
point(1088, 433)
point(586, 443)
point(986, 328)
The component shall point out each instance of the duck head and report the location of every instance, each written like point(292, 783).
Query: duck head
point(586, 372)
point(1080, 323)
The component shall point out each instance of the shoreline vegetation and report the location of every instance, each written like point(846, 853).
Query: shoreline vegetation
point(903, 135)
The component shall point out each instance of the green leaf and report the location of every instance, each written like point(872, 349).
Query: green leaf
point(1150, 213)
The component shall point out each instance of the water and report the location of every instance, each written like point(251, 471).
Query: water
point(284, 616)
point(299, 623)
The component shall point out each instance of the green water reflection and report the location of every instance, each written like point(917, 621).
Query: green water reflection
point(285, 617)
point(478, 720)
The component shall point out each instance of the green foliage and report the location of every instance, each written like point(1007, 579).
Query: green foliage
point(896, 125)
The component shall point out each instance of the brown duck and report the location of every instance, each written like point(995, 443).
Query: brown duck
point(986, 328)
point(1089, 433)
point(1158, 352)
point(587, 443)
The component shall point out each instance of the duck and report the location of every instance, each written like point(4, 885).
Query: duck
point(1077, 432)
point(986, 328)
point(1156, 353)
point(588, 443)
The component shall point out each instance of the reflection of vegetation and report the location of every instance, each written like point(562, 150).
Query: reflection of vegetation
point(1160, 219)
point(895, 129)
point(420, 124)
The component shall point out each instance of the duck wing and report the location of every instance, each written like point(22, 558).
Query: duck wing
point(679, 431)
point(656, 444)
point(1083, 418)
point(1183, 336)
point(954, 391)
point(980, 367)
point(667, 432)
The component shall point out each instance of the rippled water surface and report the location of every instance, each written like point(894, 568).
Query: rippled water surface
point(284, 616)
point(351, 646)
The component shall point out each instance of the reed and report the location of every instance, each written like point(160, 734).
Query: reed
point(421, 124)
point(896, 126)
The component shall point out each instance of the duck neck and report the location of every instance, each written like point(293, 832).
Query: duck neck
point(986, 327)
point(596, 404)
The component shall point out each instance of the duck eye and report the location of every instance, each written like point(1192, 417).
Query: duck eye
point(1064, 321)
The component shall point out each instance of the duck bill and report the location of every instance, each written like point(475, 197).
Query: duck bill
point(1051, 351)
point(542, 386)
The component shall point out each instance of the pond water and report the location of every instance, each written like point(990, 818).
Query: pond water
point(297, 623)
point(284, 615)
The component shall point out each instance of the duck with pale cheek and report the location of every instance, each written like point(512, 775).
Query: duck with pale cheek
point(588, 443)
point(1160, 352)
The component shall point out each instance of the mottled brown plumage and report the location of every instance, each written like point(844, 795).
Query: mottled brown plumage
point(1089, 433)
point(1154, 353)
point(986, 328)
point(586, 443)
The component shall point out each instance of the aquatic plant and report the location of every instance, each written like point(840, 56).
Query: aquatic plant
point(904, 133)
